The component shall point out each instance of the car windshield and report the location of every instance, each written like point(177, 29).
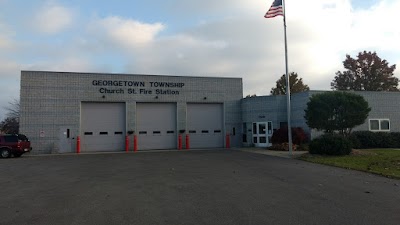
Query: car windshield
point(10, 138)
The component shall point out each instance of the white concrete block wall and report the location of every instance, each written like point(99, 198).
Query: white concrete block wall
point(52, 99)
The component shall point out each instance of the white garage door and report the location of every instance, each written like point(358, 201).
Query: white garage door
point(102, 126)
point(156, 126)
point(205, 125)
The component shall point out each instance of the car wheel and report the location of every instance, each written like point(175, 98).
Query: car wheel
point(5, 153)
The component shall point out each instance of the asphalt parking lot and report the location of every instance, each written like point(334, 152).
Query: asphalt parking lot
point(190, 187)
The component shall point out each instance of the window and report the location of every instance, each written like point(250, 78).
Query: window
point(244, 133)
point(374, 124)
point(261, 128)
point(23, 137)
point(10, 138)
point(379, 125)
point(269, 127)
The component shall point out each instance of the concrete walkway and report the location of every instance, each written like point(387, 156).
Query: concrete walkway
point(264, 151)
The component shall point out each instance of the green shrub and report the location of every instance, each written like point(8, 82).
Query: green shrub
point(330, 144)
point(355, 143)
point(368, 139)
point(396, 139)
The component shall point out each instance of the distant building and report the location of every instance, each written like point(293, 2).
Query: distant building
point(270, 112)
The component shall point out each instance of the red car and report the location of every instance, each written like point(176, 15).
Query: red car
point(14, 144)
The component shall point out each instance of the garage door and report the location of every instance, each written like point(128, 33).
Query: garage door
point(103, 126)
point(156, 125)
point(205, 125)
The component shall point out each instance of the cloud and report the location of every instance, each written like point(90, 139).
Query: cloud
point(126, 32)
point(52, 18)
point(241, 43)
point(320, 34)
point(374, 28)
point(9, 85)
point(6, 38)
point(5, 42)
point(7, 68)
point(70, 64)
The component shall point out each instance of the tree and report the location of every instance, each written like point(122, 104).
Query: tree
point(336, 111)
point(13, 109)
point(366, 73)
point(296, 85)
point(11, 123)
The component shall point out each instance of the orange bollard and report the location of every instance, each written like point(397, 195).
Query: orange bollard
point(126, 143)
point(228, 141)
point(134, 143)
point(187, 142)
point(78, 145)
point(180, 142)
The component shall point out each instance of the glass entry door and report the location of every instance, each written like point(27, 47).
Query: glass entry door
point(262, 132)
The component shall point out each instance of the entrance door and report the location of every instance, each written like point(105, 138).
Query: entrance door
point(262, 132)
point(66, 140)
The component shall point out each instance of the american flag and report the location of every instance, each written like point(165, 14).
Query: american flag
point(275, 10)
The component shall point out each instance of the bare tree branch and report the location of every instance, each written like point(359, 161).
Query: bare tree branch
point(13, 109)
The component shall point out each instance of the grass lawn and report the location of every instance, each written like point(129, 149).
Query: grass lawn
point(384, 162)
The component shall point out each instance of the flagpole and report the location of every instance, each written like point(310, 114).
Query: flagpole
point(287, 84)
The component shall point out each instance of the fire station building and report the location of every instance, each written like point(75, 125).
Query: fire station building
point(103, 109)
point(109, 112)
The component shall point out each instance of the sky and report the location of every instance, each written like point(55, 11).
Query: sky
point(224, 38)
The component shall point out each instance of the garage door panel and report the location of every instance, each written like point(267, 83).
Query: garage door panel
point(205, 125)
point(206, 141)
point(156, 125)
point(103, 126)
point(102, 143)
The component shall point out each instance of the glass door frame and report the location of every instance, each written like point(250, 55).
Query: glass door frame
point(262, 133)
